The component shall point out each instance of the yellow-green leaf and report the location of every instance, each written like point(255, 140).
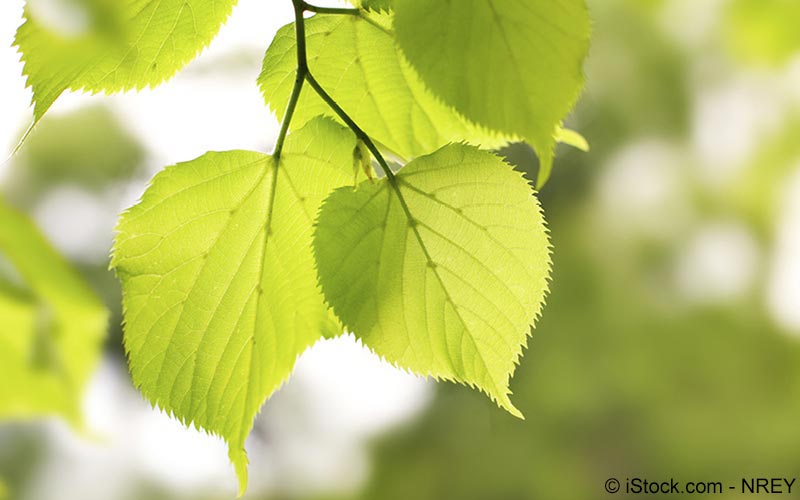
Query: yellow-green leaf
point(441, 271)
point(112, 45)
point(514, 66)
point(356, 61)
point(220, 291)
point(52, 326)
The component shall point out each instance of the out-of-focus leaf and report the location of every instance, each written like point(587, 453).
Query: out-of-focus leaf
point(111, 45)
point(51, 325)
point(763, 31)
point(88, 147)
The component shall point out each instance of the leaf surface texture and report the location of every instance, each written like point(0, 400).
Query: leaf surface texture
point(218, 276)
point(356, 61)
point(442, 273)
point(514, 66)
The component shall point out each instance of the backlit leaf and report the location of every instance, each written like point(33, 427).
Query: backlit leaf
point(220, 291)
point(514, 66)
point(357, 62)
point(442, 272)
point(378, 5)
point(111, 45)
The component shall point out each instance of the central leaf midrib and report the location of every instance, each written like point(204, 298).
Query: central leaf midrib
point(260, 293)
point(394, 183)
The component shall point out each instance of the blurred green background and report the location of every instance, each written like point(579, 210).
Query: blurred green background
point(670, 343)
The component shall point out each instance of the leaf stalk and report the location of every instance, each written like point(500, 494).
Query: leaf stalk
point(301, 71)
point(304, 75)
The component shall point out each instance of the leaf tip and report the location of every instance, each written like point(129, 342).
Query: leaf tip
point(506, 404)
point(24, 138)
point(238, 458)
point(572, 138)
point(546, 156)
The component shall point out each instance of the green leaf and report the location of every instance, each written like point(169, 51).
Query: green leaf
point(513, 66)
point(571, 138)
point(217, 271)
point(376, 5)
point(357, 62)
point(52, 326)
point(441, 272)
point(111, 45)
